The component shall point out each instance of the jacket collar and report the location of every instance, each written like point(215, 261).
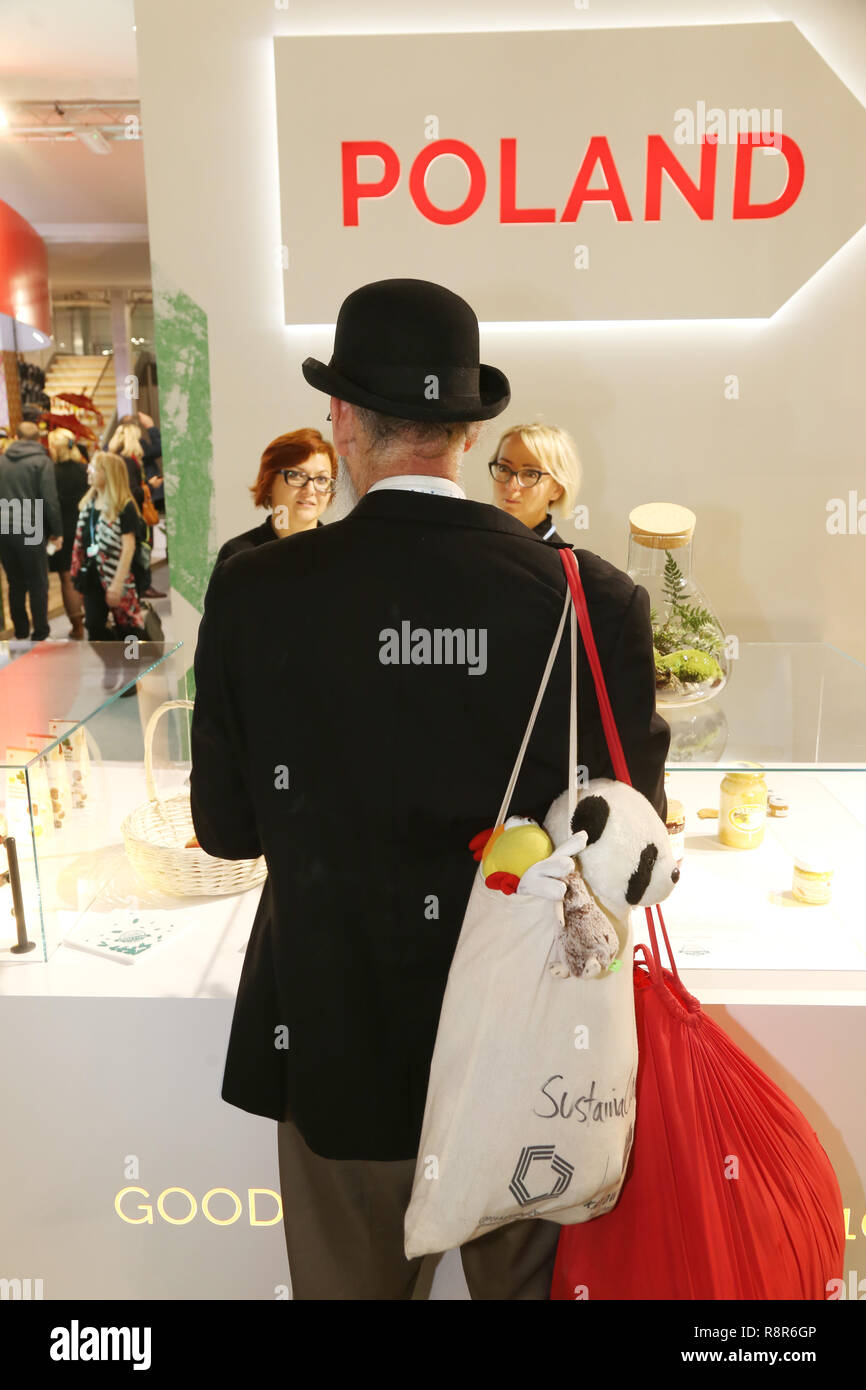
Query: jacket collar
point(22, 448)
point(546, 529)
point(391, 504)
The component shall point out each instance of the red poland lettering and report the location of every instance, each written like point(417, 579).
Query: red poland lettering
point(353, 189)
point(743, 173)
point(598, 158)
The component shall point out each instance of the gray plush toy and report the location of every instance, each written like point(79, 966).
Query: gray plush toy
point(587, 940)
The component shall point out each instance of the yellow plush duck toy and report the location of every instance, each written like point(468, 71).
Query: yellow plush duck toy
point(508, 851)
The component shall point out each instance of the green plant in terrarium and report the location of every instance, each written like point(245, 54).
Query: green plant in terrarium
point(689, 641)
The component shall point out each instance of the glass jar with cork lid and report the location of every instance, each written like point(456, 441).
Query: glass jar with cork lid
point(691, 660)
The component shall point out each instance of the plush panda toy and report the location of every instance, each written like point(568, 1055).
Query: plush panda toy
point(622, 859)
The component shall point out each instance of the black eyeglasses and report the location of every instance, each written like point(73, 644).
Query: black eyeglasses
point(526, 477)
point(295, 478)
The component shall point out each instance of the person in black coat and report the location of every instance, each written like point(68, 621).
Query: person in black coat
point(128, 441)
point(31, 518)
point(536, 468)
point(151, 463)
point(362, 781)
point(70, 473)
point(297, 482)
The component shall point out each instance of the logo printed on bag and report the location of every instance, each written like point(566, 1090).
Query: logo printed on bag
point(539, 1153)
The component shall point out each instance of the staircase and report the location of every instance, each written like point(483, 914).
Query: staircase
point(69, 372)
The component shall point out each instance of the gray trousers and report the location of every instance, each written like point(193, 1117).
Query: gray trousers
point(343, 1220)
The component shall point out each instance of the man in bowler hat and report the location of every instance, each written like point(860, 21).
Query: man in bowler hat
point(362, 775)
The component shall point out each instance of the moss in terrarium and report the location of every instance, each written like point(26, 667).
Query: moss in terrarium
point(690, 664)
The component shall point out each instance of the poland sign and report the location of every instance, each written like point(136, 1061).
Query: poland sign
point(702, 172)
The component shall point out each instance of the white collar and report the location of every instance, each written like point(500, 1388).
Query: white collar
point(419, 482)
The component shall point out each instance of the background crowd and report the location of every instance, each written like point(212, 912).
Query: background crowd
point(98, 513)
point(85, 508)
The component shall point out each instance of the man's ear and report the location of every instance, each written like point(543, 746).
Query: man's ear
point(473, 434)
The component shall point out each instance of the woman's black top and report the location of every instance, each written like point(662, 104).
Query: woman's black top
point(249, 540)
point(72, 484)
point(547, 531)
point(133, 469)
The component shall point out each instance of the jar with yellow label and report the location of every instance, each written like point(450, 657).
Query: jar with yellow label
point(813, 876)
point(743, 808)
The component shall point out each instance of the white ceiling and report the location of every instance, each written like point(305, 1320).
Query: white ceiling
point(56, 48)
point(91, 207)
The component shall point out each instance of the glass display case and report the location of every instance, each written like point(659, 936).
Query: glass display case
point(72, 721)
point(767, 789)
point(765, 913)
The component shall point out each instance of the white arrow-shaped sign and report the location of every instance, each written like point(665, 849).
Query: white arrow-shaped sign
point(702, 172)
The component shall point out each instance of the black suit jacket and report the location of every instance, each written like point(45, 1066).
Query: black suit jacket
point(362, 782)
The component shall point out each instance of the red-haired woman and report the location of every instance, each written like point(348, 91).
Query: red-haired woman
point(297, 481)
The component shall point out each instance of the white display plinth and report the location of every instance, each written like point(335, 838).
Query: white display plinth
point(139, 1049)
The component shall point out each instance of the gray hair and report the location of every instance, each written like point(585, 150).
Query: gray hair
point(425, 438)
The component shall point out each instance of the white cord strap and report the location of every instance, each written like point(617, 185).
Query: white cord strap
point(572, 732)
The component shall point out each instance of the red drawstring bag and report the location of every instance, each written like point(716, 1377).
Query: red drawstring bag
point(729, 1193)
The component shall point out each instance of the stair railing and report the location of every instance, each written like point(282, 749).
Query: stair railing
point(105, 361)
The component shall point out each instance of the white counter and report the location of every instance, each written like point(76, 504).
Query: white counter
point(738, 934)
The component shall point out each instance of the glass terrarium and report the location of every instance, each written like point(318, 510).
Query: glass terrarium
point(692, 663)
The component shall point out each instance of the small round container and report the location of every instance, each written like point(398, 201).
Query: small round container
point(676, 825)
point(777, 805)
point(813, 876)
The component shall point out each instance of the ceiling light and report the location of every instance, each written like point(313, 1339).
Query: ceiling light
point(94, 140)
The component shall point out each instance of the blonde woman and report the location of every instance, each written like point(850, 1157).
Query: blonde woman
point(126, 441)
point(109, 528)
point(131, 440)
point(70, 472)
point(536, 469)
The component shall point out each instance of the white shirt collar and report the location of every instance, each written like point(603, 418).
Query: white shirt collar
point(419, 482)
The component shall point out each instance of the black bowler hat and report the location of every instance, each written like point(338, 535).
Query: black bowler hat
point(409, 348)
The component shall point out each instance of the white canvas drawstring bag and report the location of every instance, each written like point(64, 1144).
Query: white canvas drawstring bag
point(531, 1097)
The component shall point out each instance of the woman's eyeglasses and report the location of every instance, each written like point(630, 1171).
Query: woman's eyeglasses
point(295, 478)
point(526, 477)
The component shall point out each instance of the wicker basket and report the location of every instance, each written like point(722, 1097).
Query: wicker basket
point(155, 836)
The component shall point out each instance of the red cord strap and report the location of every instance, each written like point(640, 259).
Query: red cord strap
point(614, 746)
